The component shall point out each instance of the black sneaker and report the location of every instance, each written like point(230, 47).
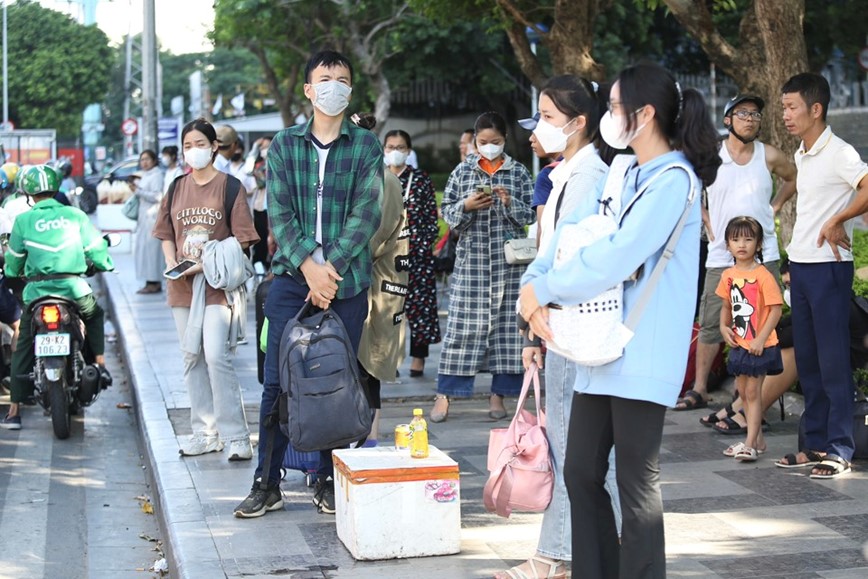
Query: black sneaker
point(259, 502)
point(11, 422)
point(105, 377)
point(324, 496)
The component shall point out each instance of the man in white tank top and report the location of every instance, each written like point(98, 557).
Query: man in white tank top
point(744, 186)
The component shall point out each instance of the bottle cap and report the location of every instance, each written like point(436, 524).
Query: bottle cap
point(417, 412)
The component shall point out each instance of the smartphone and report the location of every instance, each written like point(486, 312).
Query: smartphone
point(483, 190)
point(177, 271)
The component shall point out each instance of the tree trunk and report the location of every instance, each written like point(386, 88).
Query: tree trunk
point(771, 50)
point(284, 100)
point(781, 23)
point(569, 42)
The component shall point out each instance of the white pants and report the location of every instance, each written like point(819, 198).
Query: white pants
point(215, 393)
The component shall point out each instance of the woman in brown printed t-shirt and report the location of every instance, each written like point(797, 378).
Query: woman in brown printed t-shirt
point(196, 216)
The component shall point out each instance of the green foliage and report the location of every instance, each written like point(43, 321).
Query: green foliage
point(860, 259)
point(56, 68)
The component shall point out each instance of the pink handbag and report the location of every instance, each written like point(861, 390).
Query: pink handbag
point(521, 476)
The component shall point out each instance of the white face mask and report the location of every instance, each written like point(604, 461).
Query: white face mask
point(395, 158)
point(332, 97)
point(167, 161)
point(551, 138)
point(491, 151)
point(263, 153)
point(198, 158)
point(614, 131)
point(787, 297)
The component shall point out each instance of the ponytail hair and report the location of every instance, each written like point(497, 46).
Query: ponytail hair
point(680, 115)
point(364, 120)
point(697, 137)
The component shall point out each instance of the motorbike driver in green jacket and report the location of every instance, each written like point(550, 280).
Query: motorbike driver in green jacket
point(48, 241)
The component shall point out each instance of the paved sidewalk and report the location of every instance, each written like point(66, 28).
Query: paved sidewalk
point(723, 519)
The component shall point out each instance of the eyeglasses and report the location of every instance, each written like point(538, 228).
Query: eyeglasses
point(745, 115)
point(613, 106)
point(402, 148)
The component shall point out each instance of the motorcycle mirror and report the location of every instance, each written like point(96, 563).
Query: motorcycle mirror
point(113, 239)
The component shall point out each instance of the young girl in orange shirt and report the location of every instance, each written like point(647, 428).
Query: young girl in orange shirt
point(752, 307)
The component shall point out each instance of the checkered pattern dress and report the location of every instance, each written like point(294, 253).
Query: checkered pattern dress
point(481, 332)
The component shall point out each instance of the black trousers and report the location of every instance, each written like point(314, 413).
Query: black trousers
point(636, 430)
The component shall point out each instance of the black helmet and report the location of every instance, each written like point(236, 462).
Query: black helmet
point(741, 98)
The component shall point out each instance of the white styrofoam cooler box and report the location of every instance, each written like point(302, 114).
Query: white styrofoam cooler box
point(390, 505)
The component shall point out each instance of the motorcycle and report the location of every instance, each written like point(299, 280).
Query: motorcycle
point(64, 378)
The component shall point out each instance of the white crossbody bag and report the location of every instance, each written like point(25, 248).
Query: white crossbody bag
point(594, 333)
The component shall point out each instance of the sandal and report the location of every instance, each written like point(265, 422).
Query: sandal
point(733, 427)
point(550, 568)
point(692, 400)
point(747, 454)
point(831, 467)
point(713, 418)
point(733, 449)
point(792, 460)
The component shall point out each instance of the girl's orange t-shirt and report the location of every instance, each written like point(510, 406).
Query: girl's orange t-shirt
point(749, 294)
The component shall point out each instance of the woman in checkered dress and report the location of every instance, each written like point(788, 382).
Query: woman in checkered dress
point(488, 202)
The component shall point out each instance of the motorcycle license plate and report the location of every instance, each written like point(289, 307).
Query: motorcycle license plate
point(52, 345)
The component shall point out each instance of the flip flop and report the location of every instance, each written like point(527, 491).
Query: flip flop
point(692, 400)
point(834, 465)
point(814, 458)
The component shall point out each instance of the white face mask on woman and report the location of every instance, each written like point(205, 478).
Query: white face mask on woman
point(396, 158)
point(551, 138)
point(614, 130)
point(491, 151)
point(332, 97)
point(198, 158)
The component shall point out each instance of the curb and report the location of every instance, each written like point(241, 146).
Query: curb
point(178, 510)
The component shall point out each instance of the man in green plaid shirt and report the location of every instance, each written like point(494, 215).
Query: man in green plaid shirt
point(324, 182)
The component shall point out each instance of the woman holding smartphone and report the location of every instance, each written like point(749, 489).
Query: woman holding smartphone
point(487, 201)
point(193, 214)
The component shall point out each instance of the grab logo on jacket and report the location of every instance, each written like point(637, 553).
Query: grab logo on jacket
point(43, 225)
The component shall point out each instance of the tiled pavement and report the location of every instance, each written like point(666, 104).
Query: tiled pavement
point(723, 519)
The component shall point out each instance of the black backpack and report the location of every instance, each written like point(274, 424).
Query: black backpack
point(230, 193)
point(322, 403)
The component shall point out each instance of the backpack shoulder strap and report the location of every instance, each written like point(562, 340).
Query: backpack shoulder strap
point(233, 186)
point(170, 193)
point(648, 183)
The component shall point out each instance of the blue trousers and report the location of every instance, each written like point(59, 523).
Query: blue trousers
point(462, 386)
point(820, 295)
point(285, 299)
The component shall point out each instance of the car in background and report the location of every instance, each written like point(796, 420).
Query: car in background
point(120, 171)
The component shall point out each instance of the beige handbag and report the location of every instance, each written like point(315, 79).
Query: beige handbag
point(520, 251)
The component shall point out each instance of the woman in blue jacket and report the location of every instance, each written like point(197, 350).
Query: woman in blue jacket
point(623, 403)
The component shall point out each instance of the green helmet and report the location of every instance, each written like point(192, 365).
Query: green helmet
point(40, 179)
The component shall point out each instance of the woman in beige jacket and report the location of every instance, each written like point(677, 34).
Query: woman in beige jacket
point(382, 345)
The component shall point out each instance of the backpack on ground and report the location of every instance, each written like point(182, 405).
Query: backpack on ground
point(322, 403)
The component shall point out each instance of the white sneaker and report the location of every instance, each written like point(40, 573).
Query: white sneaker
point(240, 449)
point(201, 443)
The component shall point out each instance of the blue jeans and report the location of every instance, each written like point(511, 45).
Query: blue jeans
point(555, 539)
point(820, 294)
point(462, 386)
point(285, 298)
